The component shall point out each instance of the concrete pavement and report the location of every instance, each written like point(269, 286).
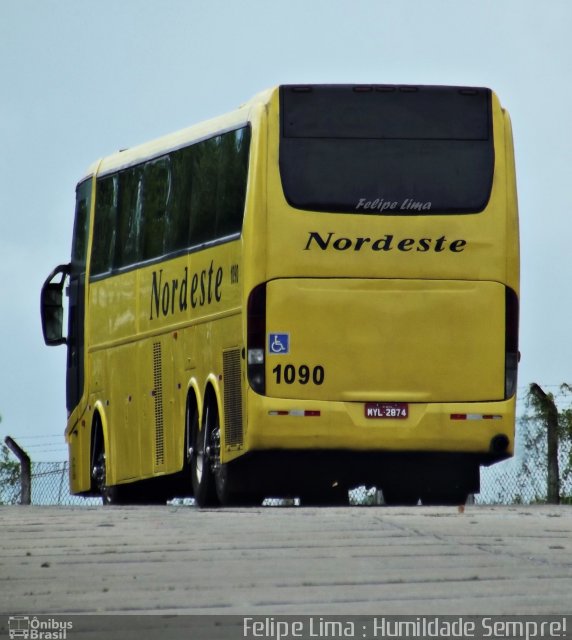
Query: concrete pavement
point(360, 560)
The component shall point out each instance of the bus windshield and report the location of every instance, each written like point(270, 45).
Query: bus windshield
point(390, 150)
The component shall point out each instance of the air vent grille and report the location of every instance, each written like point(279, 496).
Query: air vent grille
point(232, 375)
point(158, 398)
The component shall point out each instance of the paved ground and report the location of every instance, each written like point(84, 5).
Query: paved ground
point(180, 560)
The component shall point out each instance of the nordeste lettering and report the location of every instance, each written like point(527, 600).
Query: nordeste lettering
point(169, 295)
point(388, 242)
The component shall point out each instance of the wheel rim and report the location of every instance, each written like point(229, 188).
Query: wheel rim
point(98, 472)
point(207, 451)
point(201, 448)
point(99, 475)
point(214, 449)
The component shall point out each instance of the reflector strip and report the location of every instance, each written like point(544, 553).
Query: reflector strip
point(301, 413)
point(474, 416)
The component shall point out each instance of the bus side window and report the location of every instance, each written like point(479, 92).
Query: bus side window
point(179, 212)
point(155, 192)
point(203, 196)
point(233, 172)
point(130, 217)
point(104, 225)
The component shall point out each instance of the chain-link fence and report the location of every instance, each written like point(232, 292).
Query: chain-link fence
point(514, 481)
point(50, 486)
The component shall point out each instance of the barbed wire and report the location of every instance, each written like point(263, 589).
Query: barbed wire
point(36, 438)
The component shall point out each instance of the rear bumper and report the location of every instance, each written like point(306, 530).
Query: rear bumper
point(277, 424)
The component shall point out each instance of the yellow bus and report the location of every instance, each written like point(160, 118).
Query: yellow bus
point(317, 291)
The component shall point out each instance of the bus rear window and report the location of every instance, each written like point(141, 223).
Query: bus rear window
point(386, 150)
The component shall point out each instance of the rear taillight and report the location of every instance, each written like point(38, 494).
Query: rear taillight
point(511, 343)
point(256, 338)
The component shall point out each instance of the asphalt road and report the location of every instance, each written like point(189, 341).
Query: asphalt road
point(368, 560)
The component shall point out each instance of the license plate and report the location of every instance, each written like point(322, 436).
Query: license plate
point(387, 410)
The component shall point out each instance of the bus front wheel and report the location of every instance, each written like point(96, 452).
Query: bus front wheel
point(109, 494)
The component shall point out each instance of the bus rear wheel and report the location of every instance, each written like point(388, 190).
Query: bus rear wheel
point(205, 443)
point(228, 481)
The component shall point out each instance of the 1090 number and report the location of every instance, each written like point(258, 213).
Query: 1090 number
point(304, 374)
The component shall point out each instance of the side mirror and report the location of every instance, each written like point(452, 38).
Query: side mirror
point(51, 306)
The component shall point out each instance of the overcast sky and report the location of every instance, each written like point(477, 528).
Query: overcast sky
point(82, 79)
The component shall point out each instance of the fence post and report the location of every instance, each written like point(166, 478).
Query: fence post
point(550, 415)
point(62, 478)
point(25, 470)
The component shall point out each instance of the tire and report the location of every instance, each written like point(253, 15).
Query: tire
point(227, 479)
point(119, 494)
point(204, 455)
point(110, 495)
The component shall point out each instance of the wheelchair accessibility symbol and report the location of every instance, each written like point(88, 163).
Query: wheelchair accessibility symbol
point(279, 343)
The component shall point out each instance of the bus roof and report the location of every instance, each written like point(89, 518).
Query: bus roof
point(159, 146)
point(232, 120)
